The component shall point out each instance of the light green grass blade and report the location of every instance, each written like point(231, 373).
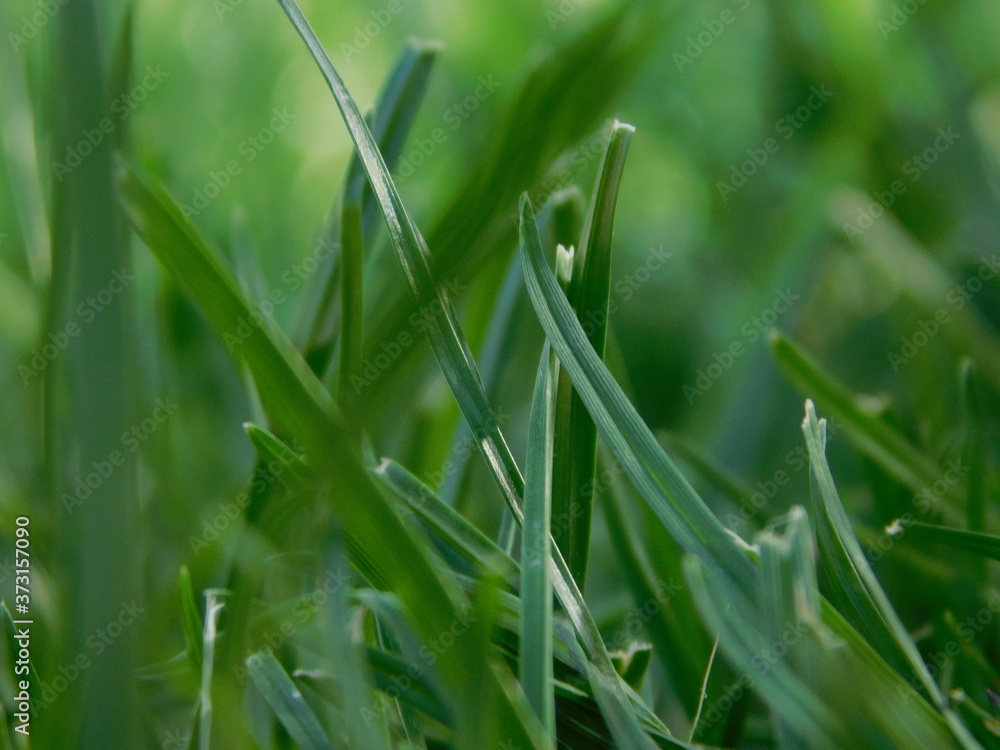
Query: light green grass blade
point(848, 564)
point(870, 435)
point(650, 469)
point(286, 701)
point(588, 293)
point(351, 669)
point(536, 585)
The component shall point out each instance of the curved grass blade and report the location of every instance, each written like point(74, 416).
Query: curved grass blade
point(659, 482)
point(555, 122)
point(536, 585)
point(588, 293)
point(270, 448)
point(850, 572)
point(446, 338)
point(286, 701)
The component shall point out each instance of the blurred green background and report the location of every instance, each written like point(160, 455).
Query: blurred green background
point(821, 167)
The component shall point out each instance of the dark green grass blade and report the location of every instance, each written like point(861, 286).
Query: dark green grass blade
point(975, 450)
point(871, 436)
point(536, 585)
point(287, 702)
point(848, 567)
point(588, 293)
point(271, 449)
point(396, 109)
point(191, 623)
point(974, 542)
point(650, 469)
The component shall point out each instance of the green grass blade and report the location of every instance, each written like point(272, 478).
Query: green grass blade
point(589, 292)
point(394, 114)
point(270, 448)
point(286, 701)
point(870, 435)
point(975, 451)
point(446, 521)
point(536, 584)
point(846, 563)
point(974, 542)
point(659, 482)
point(446, 337)
point(191, 623)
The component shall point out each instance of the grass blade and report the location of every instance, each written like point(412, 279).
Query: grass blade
point(286, 701)
point(191, 623)
point(974, 542)
point(588, 293)
point(650, 469)
point(849, 568)
point(536, 585)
